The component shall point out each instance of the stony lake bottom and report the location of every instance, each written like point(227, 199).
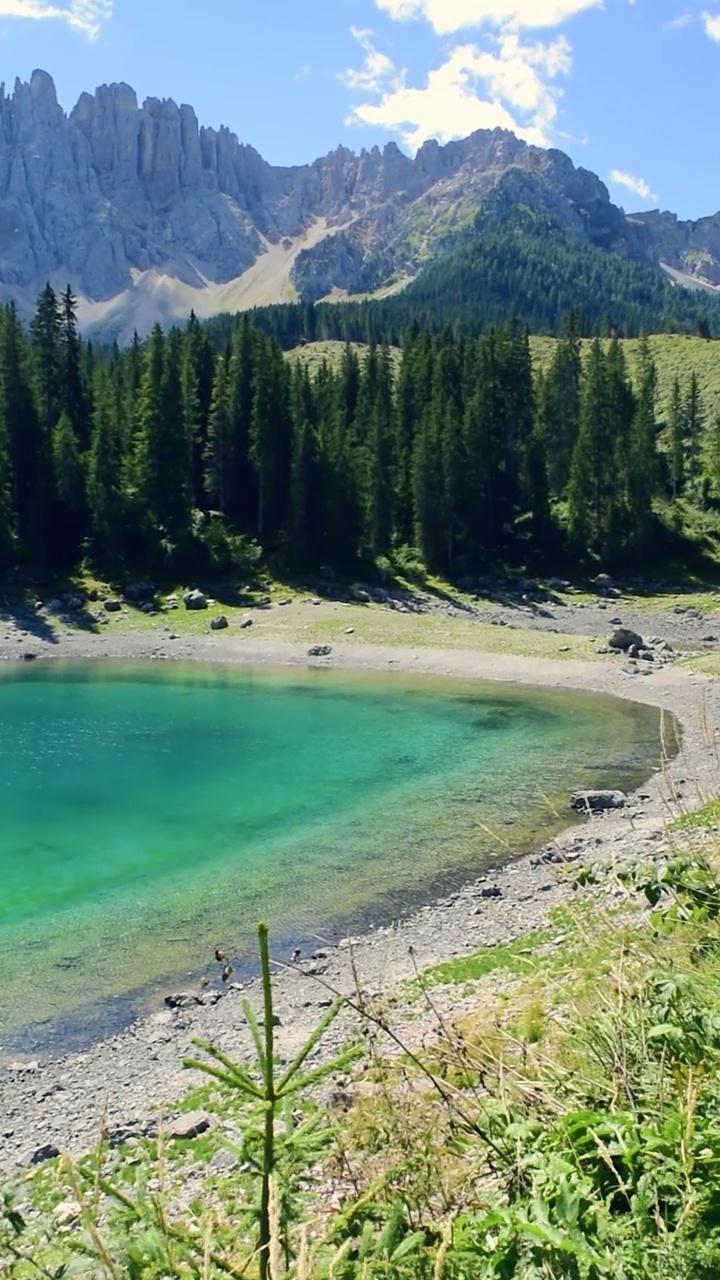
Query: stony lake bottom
point(149, 815)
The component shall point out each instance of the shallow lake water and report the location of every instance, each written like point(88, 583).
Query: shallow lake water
point(149, 814)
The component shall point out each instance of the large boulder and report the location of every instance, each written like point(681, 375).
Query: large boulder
point(597, 801)
point(195, 599)
point(137, 592)
point(623, 639)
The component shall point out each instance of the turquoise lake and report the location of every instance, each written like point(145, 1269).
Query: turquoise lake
point(149, 814)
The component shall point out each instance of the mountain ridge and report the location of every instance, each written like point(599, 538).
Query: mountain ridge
point(147, 214)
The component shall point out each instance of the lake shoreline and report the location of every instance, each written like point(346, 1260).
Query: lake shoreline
point(123, 1079)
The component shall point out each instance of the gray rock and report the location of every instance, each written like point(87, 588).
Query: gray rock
point(246, 622)
point(624, 639)
point(223, 1162)
point(219, 623)
point(148, 607)
point(597, 801)
point(491, 891)
point(195, 599)
point(182, 1000)
point(319, 651)
point(46, 1152)
point(137, 592)
point(112, 606)
point(190, 1125)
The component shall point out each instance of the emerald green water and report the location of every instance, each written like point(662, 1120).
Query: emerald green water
point(149, 814)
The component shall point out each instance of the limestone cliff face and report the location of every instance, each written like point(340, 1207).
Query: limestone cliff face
point(128, 201)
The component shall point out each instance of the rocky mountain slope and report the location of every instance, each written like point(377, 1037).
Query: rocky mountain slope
point(147, 214)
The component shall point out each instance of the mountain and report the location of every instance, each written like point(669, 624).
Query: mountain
point(149, 215)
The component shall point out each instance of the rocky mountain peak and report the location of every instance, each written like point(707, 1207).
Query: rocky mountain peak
point(146, 213)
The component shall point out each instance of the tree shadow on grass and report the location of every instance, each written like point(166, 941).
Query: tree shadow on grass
point(21, 614)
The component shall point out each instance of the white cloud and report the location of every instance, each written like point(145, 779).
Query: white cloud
point(711, 23)
point(676, 24)
point(86, 16)
point(507, 86)
point(446, 16)
point(638, 186)
point(378, 72)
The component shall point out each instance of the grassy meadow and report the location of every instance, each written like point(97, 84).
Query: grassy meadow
point(674, 355)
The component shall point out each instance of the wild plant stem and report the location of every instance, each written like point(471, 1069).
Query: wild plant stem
point(270, 1103)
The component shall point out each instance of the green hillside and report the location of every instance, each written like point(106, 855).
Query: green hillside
point(675, 356)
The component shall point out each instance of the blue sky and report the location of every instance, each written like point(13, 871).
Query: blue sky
point(629, 88)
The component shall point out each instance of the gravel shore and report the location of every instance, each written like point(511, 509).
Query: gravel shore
point(124, 1080)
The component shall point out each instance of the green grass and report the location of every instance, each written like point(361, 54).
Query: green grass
point(675, 355)
point(705, 819)
point(516, 957)
point(314, 354)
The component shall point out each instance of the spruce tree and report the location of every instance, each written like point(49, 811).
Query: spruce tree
point(305, 497)
point(641, 469)
point(592, 461)
point(28, 443)
point(104, 481)
point(560, 409)
point(45, 339)
point(164, 459)
point(69, 506)
point(676, 429)
point(73, 393)
point(219, 456)
point(694, 417)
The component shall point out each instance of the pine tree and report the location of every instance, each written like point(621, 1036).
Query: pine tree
point(8, 545)
point(73, 394)
point(712, 457)
point(27, 441)
point(592, 462)
point(305, 503)
point(46, 340)
point(676, 428)
point(641, 467)
point(220, 459)
point(560, 409)
point(164, 458)
point(243, 502)
point(69, 505)
point(270, 434)
point(105, 465)
point(694, 416)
